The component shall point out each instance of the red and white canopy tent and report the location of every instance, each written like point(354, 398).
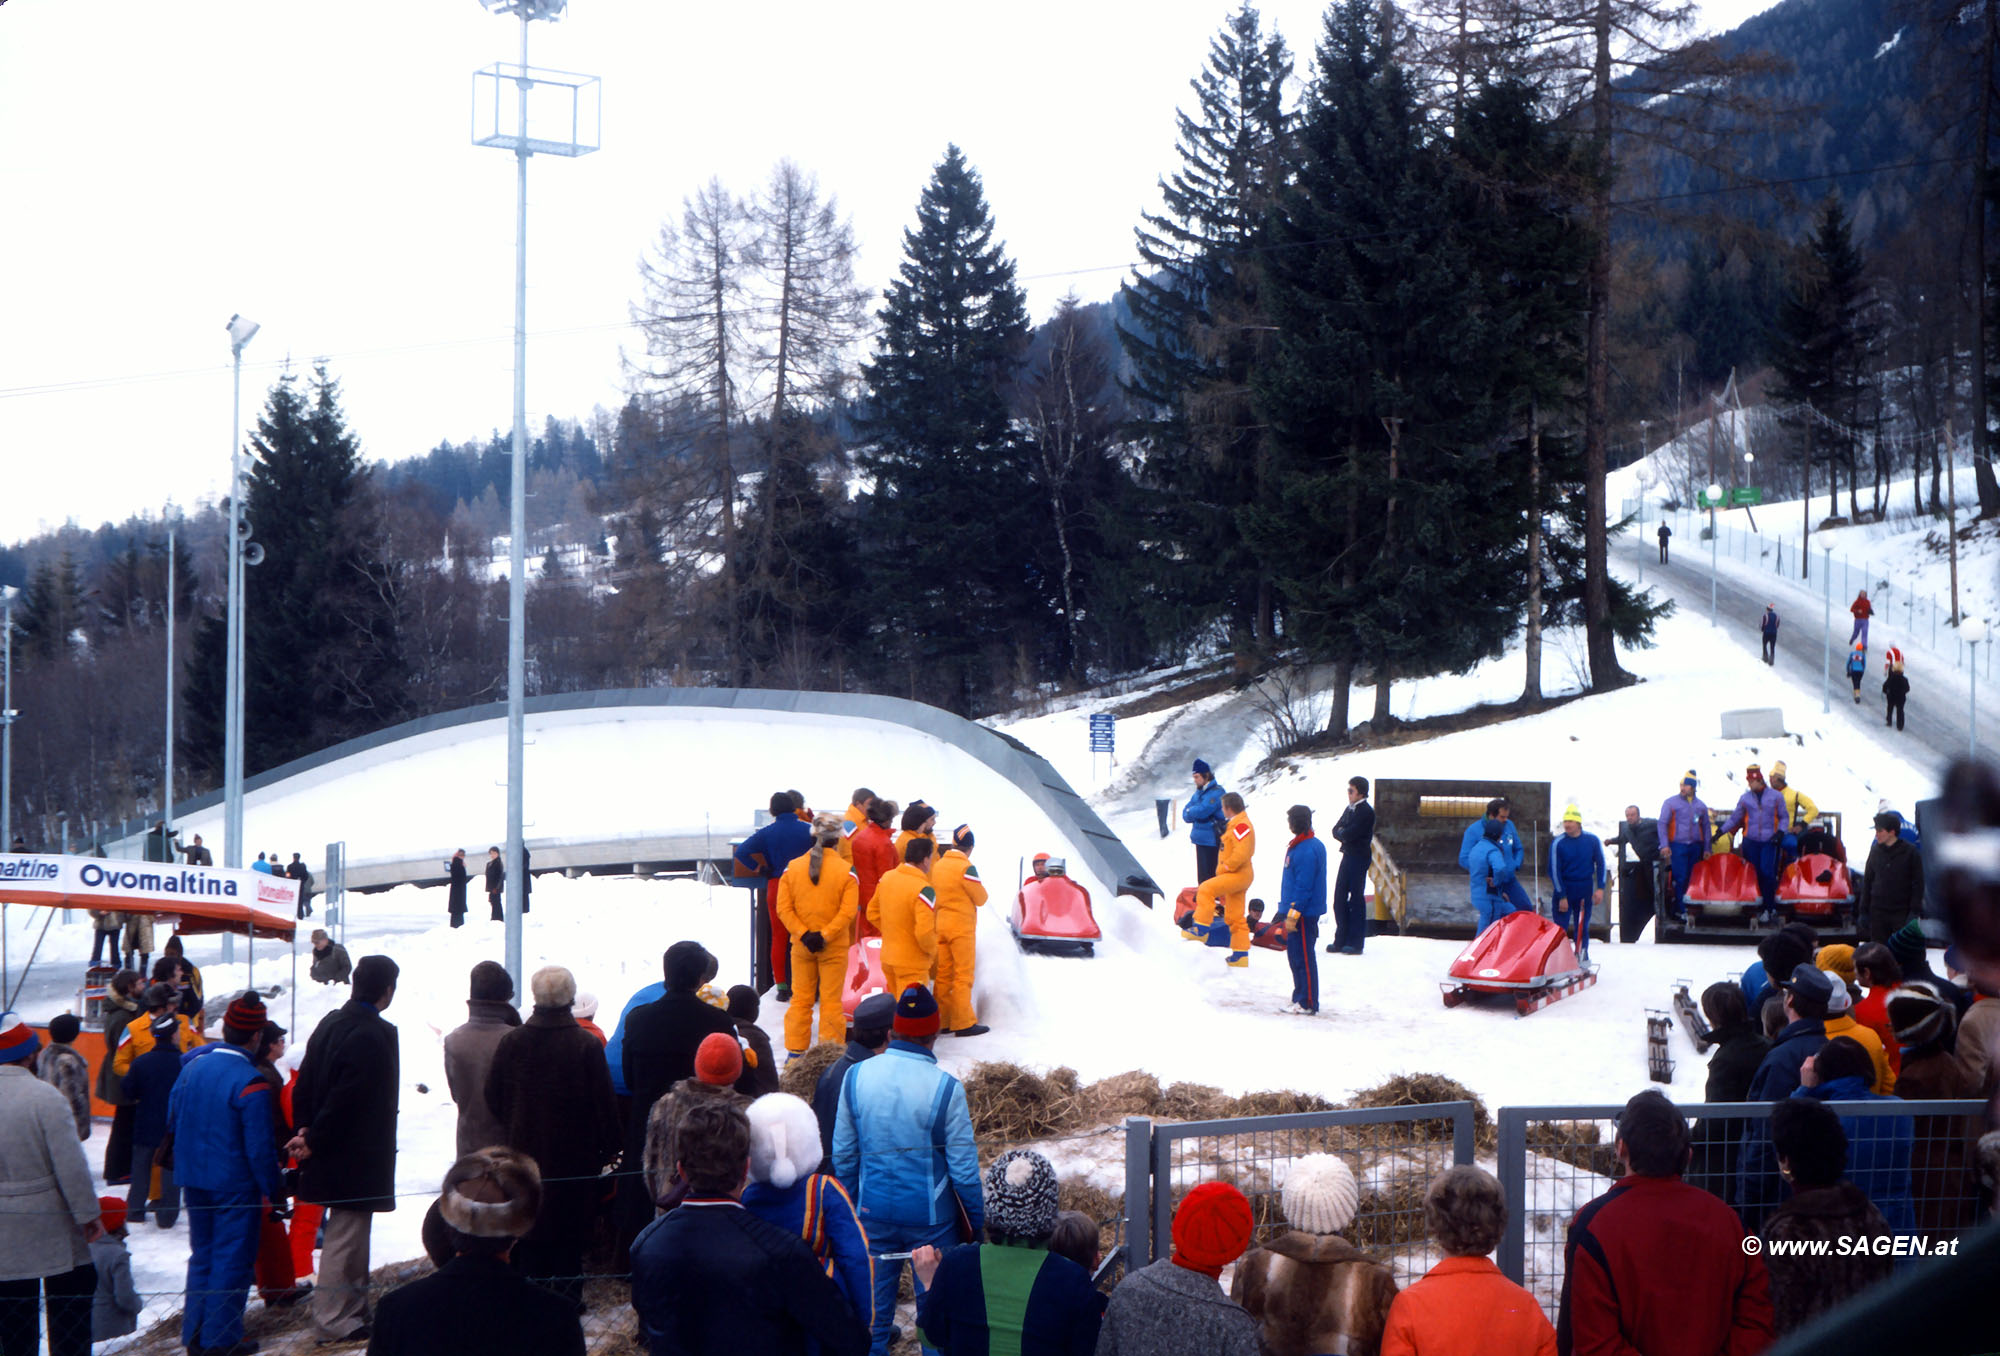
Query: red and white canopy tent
point(193, 900)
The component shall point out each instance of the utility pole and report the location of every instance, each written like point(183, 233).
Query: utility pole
point(1951, 511)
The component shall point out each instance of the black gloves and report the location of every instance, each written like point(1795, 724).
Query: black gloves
point(814, 942)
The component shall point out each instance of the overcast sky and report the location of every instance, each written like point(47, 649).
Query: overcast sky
point(310, 166)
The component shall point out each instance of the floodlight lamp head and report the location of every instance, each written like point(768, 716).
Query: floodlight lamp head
point(528, 9)
point(241, 332)
point(1972, 630)
point(1714, 494)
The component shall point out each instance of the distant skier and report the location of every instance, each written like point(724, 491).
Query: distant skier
point(1896, 691)
point(1769, 629)
point(1204, 812)
point(1576, 866)
point(1862, 610)
point(1355, 832)
point(1760, 813)
point(1857, 666)
point(1665, 534)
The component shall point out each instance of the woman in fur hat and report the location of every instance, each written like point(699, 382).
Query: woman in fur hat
point(1311, 1290)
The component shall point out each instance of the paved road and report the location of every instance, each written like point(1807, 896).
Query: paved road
point(1937, 713)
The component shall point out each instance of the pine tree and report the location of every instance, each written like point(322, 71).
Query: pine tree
point(322, 657)
point(1200, 325)
point(52, 608)
point(1823, 337)
point(950, 532)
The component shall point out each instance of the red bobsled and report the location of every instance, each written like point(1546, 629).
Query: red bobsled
point(1523, 956)
point(864, 972)
point(1723, 885)
point(1802, 893)
point(1052, 913)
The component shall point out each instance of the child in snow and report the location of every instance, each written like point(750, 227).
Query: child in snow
point(115, 1311)
point(1895, 691)
point(1857, 667)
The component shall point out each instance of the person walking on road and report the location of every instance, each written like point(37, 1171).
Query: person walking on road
point(496, 883)
point(457, 878)
point(1205, 814)
point(344, 1105)
point(1355, 832)
point(1895, 692)
point(1664, 535)
point(1302, 889)
point(1769, 630)
point(1862, 610)
point(1857, 667)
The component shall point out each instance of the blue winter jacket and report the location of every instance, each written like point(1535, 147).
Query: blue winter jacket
point(614, 1049)
point(1757, 1185)
point(1487, 856)
point(1204, 811)
point(1475, 834)
point(221, 1114)
point(778, 841)
point(1857, 662)
point(1761, 815)
point(1878, 1149)
point(816, 1210)
point(1304, 884)
point(902, 1143)
point(1756, 985)
point(149, 1085)
point(1577, 864)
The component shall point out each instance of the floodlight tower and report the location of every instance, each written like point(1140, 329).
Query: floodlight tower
point(492, 88)
point(241, 332)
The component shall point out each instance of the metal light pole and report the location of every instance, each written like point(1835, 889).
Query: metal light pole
point(167, 794)
point(1714, 499)
point(7, 713)
point(517, 139)
point(241, 332)
point(1972, 630)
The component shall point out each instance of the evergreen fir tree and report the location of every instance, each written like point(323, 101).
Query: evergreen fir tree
point(950, 531)
point(1200, 326)
point(1821, 345)
point(322, 656)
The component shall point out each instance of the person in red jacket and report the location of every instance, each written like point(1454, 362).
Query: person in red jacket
point(875, 856)
point(1657, 1264)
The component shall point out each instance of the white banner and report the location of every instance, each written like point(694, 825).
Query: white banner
point(75, 882)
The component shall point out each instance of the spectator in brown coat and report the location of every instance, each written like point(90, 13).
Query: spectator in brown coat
point(1310, 1290)
point(718, 1064)
point(1812, 1155)
point(468, 1054)
point(550, 1091)
point(1925, 1023)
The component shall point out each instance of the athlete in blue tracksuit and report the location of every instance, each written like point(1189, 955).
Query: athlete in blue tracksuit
point(1686, 829)
point(1760, 812)
point(1204, 813)
point(1303, 890)
point(1492, 872)
point(1576, 866)
point(1510, 843)
point(226, 1160)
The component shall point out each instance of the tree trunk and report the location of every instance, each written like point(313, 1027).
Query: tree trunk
point(731, 649)
point(1531, 689)
point(1343, 682)
point(1380, 720)
point(1601, 645)
point(1982, 463)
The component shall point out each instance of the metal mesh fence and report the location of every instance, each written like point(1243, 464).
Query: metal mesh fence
point(1394, 1153)
point(1915, 1160)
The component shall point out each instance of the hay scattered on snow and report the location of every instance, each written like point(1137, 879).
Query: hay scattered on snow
point(800, 1076)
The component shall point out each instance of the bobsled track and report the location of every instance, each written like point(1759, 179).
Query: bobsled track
point(652, 780)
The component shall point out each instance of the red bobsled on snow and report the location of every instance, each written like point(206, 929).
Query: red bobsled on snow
point(1523, 956)
point(1818, 889)
point(1723, 885)
point(1052, 913)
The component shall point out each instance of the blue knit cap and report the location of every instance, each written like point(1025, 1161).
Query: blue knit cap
point(1203, 768)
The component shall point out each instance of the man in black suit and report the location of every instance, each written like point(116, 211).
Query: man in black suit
point(1356, 835)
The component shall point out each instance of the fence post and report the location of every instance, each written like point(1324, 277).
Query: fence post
point(1511, 1153)
point(1162, 1188)
point(1461, 1135)
point(1138, 1193)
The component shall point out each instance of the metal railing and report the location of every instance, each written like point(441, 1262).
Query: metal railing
point(1393, 1151)
point(1555, 1159)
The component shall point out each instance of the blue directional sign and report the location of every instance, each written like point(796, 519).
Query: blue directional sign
point(1102, 736)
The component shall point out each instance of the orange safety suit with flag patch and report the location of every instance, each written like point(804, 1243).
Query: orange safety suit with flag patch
point(856, 816)
point(903, 841)
point(1230, 883)
point(827, 907)
point(904, 910)
point(960, 892)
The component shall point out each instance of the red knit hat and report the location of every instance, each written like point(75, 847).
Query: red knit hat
point(916, 1013)
point(111, 1213)
point(719, 1060)
point(246, 1014)
point(1212, 1228)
